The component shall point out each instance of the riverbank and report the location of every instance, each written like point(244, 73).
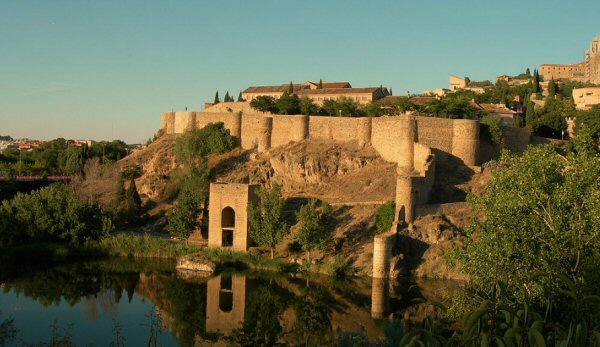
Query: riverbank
point(145, 246)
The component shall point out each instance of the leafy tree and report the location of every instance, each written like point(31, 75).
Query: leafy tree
point(53, 213)
point(196, 144)
point(264, 103)
point(493, 127)
point(384, 217)
point(341, 107)
point(308, 107)
point(373, 109)
point(216, 101)
point(317, 225)
point(182, 219)
point(288, 104)
point(540, 221)
point(267, 223)
point(590, 119)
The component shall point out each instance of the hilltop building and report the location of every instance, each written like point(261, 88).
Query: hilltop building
point(318, 94)
point(586, 71)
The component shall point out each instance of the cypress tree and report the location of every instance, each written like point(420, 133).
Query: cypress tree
point(527, 72)
point(226, 98)
point(320, 86)
point(291, 88)
point(391, 91)
point(240, 97)
point(552, 88)
point(217, 98)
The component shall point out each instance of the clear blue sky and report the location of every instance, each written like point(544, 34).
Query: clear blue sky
point(108, 69)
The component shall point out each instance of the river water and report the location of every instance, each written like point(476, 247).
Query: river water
point(131, 302)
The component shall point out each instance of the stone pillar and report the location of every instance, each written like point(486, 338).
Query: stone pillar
point(264, 136)
point(379, 298)
point(404, 199)
point(236, 127)
point(465, 140)
point(363, 131)
point(382, 255)
point(300, 131)
point(406, 150)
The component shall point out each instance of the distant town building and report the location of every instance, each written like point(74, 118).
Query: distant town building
point(506, 115)
point(585, 98)
point(586, 71)
point(457, 83)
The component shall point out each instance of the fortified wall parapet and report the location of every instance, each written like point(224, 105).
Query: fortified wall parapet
point(458, 137)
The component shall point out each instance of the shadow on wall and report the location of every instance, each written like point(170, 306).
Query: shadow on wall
point(452, 172)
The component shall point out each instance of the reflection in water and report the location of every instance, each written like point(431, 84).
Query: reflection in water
point(236, 309)
point(380, 298)
point(225, 303)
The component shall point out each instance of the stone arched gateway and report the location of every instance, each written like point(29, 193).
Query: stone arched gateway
point(228, 215)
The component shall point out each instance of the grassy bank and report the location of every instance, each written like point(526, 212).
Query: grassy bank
point(134, 246)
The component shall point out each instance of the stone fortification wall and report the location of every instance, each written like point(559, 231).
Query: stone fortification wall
point(289, 128)
point(333, 128)
point(234, 107)
point(458, 137)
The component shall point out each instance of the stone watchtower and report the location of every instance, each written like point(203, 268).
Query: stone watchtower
point(228, 215)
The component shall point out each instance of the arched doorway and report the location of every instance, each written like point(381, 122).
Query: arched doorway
point(227, 226)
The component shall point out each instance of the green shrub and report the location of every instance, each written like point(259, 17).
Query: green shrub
point(53, 213)
point(197, 144)
point(384, 217)
point(492, 127)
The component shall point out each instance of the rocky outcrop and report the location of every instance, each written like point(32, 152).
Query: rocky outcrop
point(196, 262)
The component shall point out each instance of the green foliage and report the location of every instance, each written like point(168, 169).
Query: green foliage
point(240, 98)
point(128, 205)
point(454, 106)
point(53, 213)
point(182, 219)
point(343, 106)
point(542, 221)
point(307, 107)
point(57, 158)
point(267, 223)
point(493, 127)
point(550, 120)
point(8, 332)
point(342, 268)
point(264, 103)
point(589, 119)
point(316, 226)
point(196, 144)
point(216, 101)
point(384, 217)
point(288, 104)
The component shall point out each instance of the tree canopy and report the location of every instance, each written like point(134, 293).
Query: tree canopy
point(541, 220)
point(267, 223)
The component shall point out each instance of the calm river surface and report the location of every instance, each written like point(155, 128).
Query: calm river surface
point(127, 302)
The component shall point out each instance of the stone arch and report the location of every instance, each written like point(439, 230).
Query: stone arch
point(227, 226)
point(228, 218)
